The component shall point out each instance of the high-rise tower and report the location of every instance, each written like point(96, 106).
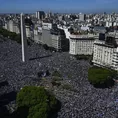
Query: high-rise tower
point(23, 40)
point(40, 15)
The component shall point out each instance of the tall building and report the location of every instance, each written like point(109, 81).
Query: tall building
point(16, 28)
point(40, 15)
point(52, 37)
point(46, 37)
point(59, 40)
point(23, 40)
point(49, 14)
point(12, 26)
point(45, 34)
point(82, 17)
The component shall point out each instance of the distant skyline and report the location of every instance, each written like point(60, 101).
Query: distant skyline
point(66, 6)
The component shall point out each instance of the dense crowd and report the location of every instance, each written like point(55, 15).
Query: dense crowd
point(86, 102)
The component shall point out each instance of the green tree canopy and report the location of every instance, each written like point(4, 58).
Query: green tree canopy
point(40, 103)
point(12, 35)
point(101, 77)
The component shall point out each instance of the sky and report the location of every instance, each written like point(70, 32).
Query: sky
point(69, 6)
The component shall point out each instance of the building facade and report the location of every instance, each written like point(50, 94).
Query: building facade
point(82, 17)
point(81, 45)
point(37, 36)
point(16, 28)
point(11, 26)
point(46, 26)
point(115, 59)
point(28, 32)
point(46, 37)
point(59, 40)
point(105, 55)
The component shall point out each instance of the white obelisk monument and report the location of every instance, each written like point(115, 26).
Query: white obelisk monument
point(23, 40)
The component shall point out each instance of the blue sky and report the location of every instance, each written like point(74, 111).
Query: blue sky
point(7, 6)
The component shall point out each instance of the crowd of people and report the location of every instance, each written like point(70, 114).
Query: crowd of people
point(86, 102)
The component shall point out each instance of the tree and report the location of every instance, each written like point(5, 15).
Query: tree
point(40, 103)
point(17, 38)
point(101, 77)
point(11, 35)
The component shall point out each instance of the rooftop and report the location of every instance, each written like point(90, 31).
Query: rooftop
point(105, 45)
point(57, 31)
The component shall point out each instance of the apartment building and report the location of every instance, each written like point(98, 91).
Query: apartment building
point(81, 44)
point(59, 40)
point(106, 53)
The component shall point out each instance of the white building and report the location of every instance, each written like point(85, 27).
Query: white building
point(109, 24)
point(115, 59)
point(81, 44)
point(37, 36)
point(67, 33)
point(28, 32)
point(11, 26)
point(105, 55)
point(36, 31)
point(40, 15)
point(16, 28)
point(47, 26)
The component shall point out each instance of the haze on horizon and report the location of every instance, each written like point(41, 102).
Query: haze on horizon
point(88, 6)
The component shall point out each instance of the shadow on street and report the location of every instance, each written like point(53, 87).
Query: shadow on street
point(40, 57)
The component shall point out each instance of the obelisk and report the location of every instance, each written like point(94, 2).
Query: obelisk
point(23, 39)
